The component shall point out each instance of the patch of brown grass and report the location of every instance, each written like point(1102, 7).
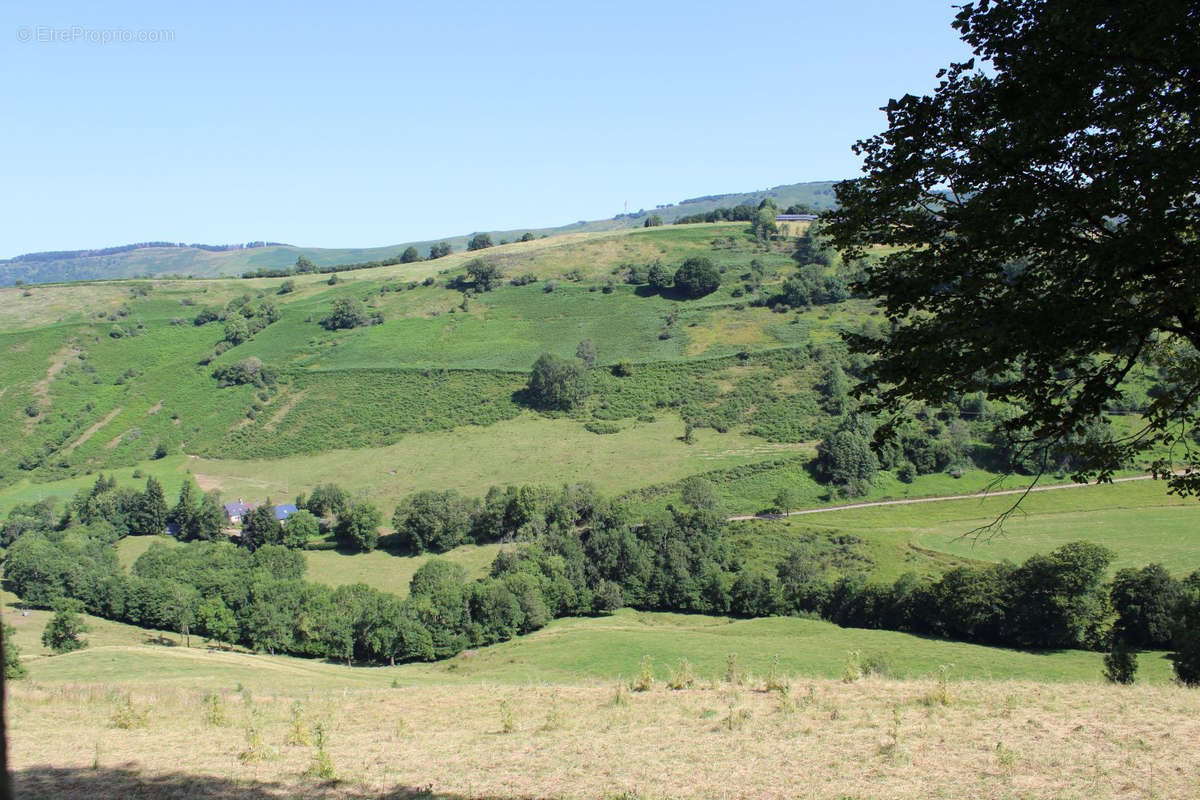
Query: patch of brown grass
point(871, 738)
point(726, 327)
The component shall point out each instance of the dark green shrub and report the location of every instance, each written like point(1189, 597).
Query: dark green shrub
point(697, 277)
point(1120, 664)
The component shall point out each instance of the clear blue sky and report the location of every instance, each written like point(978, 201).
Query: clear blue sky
point(371, 123)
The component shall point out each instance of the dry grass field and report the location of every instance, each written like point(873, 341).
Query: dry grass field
point(820, 739)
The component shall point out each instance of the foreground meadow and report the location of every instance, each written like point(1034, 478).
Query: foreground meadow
point(815, 738)
point(776, 707)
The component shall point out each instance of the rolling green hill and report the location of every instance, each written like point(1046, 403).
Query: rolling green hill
point(107, 375)
point(195, 261)
point(733, 387)
point(102, 375)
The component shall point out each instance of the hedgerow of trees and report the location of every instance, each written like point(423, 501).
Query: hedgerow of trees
point(571, 551)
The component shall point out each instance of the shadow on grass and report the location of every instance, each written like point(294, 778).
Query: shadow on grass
point(159, 639)
point(128, 782)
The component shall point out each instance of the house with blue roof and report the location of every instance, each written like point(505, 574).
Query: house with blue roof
point(282, 512)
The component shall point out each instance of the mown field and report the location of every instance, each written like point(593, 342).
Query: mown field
point(872, 739)
point(551, 714)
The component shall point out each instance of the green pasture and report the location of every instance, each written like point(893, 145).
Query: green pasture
point(1137, 520)
point(391, 573)
point(568, 651)
point(527, 449)
point(77, 397)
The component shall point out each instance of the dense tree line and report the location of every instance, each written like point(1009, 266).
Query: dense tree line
point(111, 513)
point(1052, 601)
point(738, 213)
point(306, 266)
point(570, 551)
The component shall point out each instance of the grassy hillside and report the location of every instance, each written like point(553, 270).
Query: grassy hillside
point(571, 651)
point(431, 398)
point(199, 262)
point(1137, 520)
point(77, 398)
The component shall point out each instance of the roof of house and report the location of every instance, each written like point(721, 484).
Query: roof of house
point(238, 508)
point(795, 217)
point(284, 511)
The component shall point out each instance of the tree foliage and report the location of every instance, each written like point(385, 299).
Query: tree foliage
point(260, 527)
point(152, 512)
point(1041, 219)
point(433, 521)
point(480, 241)
point(328, 499)
point(13, 668)
point(844, 459)
point(237, 330)
point(697, 276)
point(347, 312)
point(558, 383)
point(299, 528)
point(358, 526)
point(586, 352)
point(658, 276)
point(483, 275)
point(1144, 601)
point(64, 632)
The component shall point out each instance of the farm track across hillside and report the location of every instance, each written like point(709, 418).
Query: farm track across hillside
point(915, 500)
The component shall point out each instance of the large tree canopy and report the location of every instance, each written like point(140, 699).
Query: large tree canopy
point(1043, 207)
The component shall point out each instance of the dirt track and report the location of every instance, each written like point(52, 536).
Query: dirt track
point(914, 500)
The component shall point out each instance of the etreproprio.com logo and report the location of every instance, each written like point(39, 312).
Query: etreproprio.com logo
point(49, 34)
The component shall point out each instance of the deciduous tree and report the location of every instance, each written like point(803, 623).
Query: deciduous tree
point(299, 528)
point(558, 383)
point(586, 352)
point(358, 526)
point(64, 632)
point(480, 241)
point(1040, 215)
point(697, 277)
